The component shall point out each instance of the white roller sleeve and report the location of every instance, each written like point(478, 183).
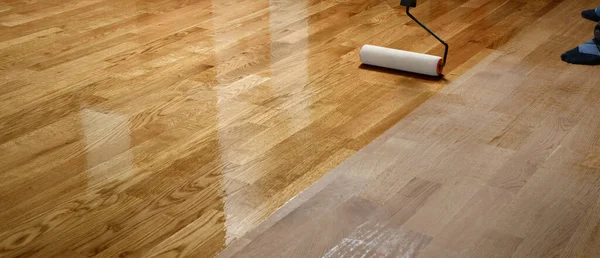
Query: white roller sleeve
point(401, 60)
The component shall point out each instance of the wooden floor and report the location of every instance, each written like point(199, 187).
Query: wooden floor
point(502, 162)
point(179, 128)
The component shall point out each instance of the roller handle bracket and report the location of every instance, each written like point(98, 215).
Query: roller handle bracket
point(413, 3)
point(410, 3)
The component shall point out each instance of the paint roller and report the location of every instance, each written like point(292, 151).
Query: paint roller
point(405, 60)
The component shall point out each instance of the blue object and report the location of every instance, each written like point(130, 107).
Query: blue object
point(586, 54)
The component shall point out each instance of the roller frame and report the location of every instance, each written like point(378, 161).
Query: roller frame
point(413, 3)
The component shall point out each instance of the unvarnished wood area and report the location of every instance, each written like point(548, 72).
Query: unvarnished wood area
point(174, 128)
point(502, 162)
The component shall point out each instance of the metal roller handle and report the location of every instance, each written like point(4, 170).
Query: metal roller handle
point(413, 3)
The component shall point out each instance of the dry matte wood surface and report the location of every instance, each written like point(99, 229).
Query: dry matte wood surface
point(174, 128)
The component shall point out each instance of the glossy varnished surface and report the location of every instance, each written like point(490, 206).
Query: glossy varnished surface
point(174, 128)
point(502, 162)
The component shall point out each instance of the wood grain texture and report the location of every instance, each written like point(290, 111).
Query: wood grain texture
point(175, 128)
point(502, 162)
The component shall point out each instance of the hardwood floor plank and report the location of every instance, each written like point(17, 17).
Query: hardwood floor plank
point(469, 225)
point(331, 226)
point(493, 244)
point(186, 240)
point(381, 234)
point(181, 128)
point(584, 241)
point(514, 103)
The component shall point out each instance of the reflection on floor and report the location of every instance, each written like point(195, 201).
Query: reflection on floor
point(502, 162)
point(174, 128)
